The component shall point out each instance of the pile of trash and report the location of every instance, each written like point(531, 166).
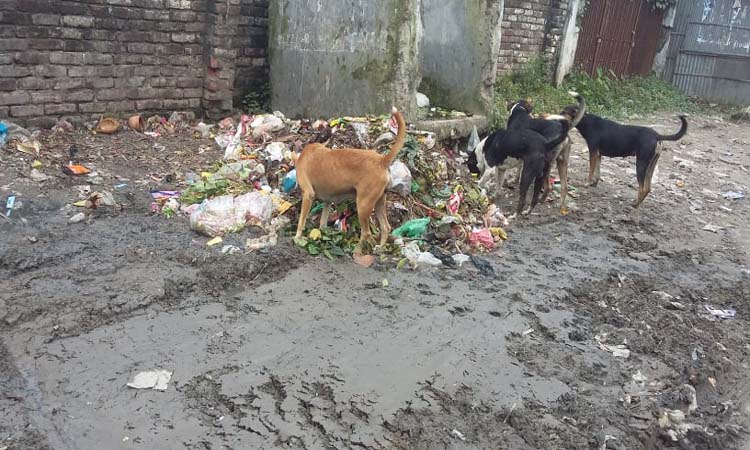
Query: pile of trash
point(439, 214)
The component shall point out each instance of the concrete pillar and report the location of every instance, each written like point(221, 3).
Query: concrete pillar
point(220, 50)
point(569, 43)
point(662, 47)
point(460, 51)
point(343, 57)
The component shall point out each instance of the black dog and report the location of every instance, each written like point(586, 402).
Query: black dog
point(607, 138)
point(505, 149)
point(550, 127)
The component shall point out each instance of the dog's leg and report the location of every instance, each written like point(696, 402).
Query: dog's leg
point(500, 174)
point(562, 171)
point(324, 215)
point(538, 186)
point(381, 214)
point(527, 177)
point(546, 182)
point(307, 201)
point(595, 160)
point(644, 168)
point(365, 204)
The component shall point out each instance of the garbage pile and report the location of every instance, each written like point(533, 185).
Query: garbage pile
point(439, 214)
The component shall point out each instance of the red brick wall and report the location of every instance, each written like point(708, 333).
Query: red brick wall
point(529, 29)
point(79, 59)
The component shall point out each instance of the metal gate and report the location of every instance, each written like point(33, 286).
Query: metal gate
point(709, 50)
point(618, 35)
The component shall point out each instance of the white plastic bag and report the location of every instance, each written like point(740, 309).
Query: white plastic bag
point(400, 179)
point(417, 257)
point(275, 151)
point(473, 140)
point(255, 208)
point(217, 217)
point(234, 148)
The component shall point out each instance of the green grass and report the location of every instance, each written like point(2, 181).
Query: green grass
point(605, 94)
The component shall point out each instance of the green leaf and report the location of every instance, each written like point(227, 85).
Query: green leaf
point(300, 241)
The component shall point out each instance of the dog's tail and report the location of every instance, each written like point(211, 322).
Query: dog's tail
point(677, 136)
point(581, 108)
point(558, 140)
point(396, 147)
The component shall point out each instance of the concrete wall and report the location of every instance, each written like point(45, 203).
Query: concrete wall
point(347, 57)
point(82, 58)
point(459, 50)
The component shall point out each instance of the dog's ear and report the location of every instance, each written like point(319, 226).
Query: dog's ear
point(509, 106)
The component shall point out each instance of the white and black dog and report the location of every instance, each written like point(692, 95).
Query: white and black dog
point(550, 128)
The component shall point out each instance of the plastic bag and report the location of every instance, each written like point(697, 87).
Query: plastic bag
point(473, 140)
point(217, 217)
point(275, 151)
point(400, 179)
point(255, 208)
point(234, 148)
point(482, 237)
point(413, 228)
point(417, 257)
point(290, 181)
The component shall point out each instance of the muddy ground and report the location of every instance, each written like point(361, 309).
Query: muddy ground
point(280, 350)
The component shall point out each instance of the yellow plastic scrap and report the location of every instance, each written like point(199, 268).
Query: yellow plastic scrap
point(206, 175)
point(499, 232)
point(214, 241)
point(315, 234)
point(81, 203)
point(36, 164)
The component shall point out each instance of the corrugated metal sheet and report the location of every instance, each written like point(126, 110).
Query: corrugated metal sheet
point(709, 54)
point(618, 35)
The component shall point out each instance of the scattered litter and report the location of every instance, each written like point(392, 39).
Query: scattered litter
point(422, 100)
point(230, 249)
point(32, 147)
point(108, 125)
point(80, 217)
point(10, 202)
point(214, 241)
point(482, 237)
point(75, 169)
point(460, 259)
point(457, 434)
point(136, 123)
point(617, 350)
point(363, 260)
point(151, 379)
point(385, 282)
point(263, 242)
point(275, 151)
point(400, 179)
point(290, 181)
point(454, 202)
point(413, 228)
point(37, 176)
point(62, 125)
point(712, 228)
point(733, 195)
point(484, 266)
point(721, 313)
point(417, 257)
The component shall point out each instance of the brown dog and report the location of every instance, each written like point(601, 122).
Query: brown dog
point(341, 174)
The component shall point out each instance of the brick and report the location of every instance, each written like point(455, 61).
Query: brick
point(152, 4)
point(41, 97)
point(81, 95)
point(63, 108)
point(112, 94)
point(45, 19)
point(192, 92)
point(79, 46)
point(141, 48)
point(8, 84)
point(194, 103)
point(14, 18)
point(129, 82)
point(26, 111)
point(176, 104)
point(95, 107)
point(35, 83)
point(80, 58)
point(142, 105)
point(15, 71)
point(14, 98)
point(123, 105)
point(189, 82)
point(184, 37)
point(78, 21)
point(100, 83)
point(183, 16)
point(31, 58)
point(71, 83)
point(43, 122)
point(50, 71)
point(179, 4)
point(14, 44)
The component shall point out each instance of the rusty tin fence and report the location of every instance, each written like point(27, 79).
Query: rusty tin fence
point(618, 35)
point(709, 50)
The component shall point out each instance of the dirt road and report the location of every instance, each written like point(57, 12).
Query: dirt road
point(279, 350)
